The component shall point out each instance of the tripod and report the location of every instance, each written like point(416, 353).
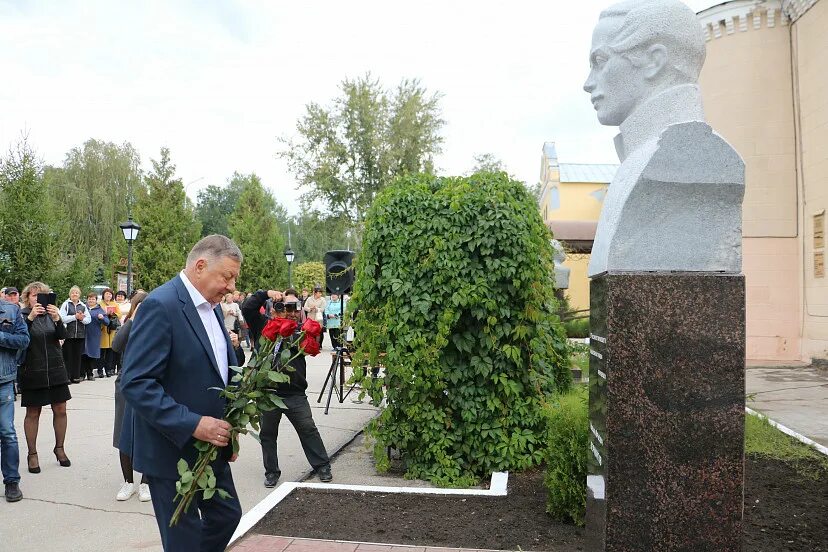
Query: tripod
point(337, 368)
point(331, 385)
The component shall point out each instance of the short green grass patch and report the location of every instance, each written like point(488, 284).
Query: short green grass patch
point(763, 439)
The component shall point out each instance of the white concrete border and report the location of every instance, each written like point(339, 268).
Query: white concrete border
point(788, 431)
point(497, 487)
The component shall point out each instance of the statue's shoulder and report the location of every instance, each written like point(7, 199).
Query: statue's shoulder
point(693, 153)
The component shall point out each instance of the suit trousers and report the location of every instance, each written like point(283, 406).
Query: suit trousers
point(298, 412)
point(207, 526)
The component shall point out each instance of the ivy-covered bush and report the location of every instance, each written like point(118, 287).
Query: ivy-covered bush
point(567, 451)
point(455, 296)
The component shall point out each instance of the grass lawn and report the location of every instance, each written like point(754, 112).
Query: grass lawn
point(763, 439)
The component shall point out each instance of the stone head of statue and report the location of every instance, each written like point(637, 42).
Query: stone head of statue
point(639, 49)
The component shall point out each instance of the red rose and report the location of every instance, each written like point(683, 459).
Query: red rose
point(279, 326)
point(310, 345)
point(312, 328)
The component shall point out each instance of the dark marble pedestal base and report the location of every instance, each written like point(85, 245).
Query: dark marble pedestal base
point(667, 396)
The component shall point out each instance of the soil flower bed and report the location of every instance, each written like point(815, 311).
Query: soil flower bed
point(783, 512)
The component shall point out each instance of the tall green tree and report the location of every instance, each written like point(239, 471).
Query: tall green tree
point(254, 226)
point(487, 162)
point(169, 227)
point(215, 204)
point(29, 232)
point(307, 275)
point(95, 188)
point(346, 153)
point(315, 233)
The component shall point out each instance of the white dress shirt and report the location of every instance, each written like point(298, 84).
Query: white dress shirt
point(212, 326)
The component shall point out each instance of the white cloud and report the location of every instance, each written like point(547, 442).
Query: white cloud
point(218, 81)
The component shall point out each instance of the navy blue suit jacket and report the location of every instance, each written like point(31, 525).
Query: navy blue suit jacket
point(168, 368)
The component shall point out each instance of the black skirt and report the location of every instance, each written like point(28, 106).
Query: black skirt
point(47, 396)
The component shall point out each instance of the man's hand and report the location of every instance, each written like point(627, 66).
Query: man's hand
point(212, 430)
point(234, 339)
point(275, 295)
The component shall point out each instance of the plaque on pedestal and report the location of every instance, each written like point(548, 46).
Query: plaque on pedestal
point(667, 391)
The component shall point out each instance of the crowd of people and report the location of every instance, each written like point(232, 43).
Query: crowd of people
point(45, 349)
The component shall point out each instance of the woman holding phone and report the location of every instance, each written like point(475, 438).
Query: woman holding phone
point(42, 374)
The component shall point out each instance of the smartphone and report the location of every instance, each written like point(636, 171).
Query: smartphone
point(45, 299)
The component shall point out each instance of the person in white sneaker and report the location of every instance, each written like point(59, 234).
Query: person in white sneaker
point(119, 346)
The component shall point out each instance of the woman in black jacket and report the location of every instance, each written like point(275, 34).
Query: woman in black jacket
point(42, 376)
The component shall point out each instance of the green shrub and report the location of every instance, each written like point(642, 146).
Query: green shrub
point(567, 442)
point(456, 301)
point(577, 328)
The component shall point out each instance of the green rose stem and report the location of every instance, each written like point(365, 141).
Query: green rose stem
point(247, 399)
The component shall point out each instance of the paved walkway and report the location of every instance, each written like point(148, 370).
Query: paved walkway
point(266, 543)
point(75, 508)
point(796, 397)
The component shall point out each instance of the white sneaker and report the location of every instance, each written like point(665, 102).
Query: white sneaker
point(144, 493)
point(127, 490)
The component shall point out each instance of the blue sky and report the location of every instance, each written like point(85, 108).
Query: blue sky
point(218, 81)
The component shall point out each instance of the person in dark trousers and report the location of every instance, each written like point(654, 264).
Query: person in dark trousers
point(252, 307)
point(76, 318)
point(298, 410)
point(176, 362)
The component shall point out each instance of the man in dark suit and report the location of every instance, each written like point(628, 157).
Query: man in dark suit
point(178, 353)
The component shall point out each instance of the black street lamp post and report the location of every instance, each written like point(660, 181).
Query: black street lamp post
point(289, 257)
point(130, 230)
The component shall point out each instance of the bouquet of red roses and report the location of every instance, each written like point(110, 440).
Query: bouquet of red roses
point(248, 394)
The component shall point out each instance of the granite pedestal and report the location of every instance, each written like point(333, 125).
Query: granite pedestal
point(666, 401)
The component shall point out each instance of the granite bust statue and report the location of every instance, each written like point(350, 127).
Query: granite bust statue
point(675, 203)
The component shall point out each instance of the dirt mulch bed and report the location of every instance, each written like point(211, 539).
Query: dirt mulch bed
point(783, 512)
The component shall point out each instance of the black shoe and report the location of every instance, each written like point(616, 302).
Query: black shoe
point(65, 462)
point(109, 374)
point(324, 474)
point(271, 479)
point(13, 493)
point(90, 377)
point(36, 467)
point(100, 373)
